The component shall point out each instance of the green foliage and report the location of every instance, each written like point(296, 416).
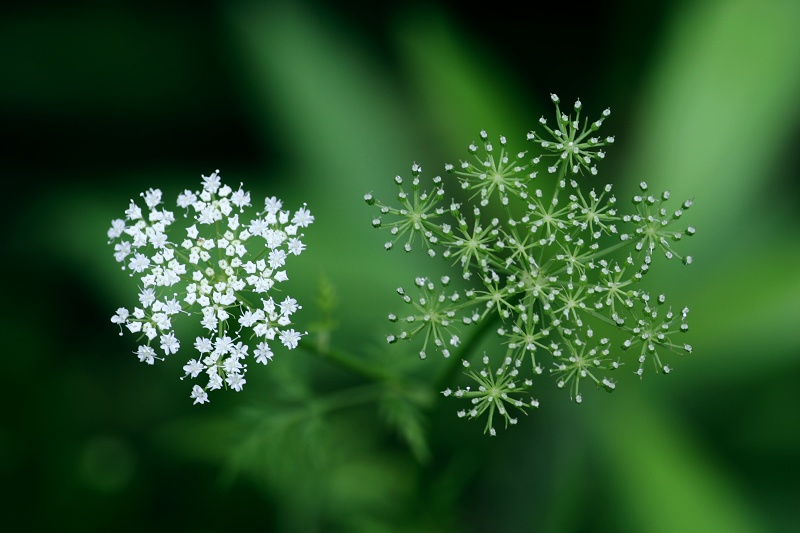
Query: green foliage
point(319, 103)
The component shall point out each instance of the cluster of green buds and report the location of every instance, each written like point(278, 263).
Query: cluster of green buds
point(541, 254)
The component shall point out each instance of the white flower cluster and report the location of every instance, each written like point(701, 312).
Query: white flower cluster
point(223, 270)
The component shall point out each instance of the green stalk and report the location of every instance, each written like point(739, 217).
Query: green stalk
point(352, 364)
point(454, 364)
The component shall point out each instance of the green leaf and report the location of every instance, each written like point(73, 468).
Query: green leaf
point(407, 419)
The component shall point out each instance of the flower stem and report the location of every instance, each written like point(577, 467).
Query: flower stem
point(348, 362)
point(451, 369)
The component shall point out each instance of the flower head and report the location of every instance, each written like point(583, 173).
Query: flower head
point(433, 317)
point(220, 267)
point(496, 392)
point(653, 327)
point(492, 171)
point(538, 260)
point(654, 225)
point(573, 144)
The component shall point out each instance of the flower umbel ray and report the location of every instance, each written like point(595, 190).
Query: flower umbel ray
point(493, 172)
point(580, 361)
point(473, 248)
point(572, 143)
point(654, 327)
point(496, 391)
point(433, 317)
point(417, 214)
point(526, 337)
point(653, 224)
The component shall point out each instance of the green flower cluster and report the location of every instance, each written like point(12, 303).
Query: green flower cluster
point(542, 258)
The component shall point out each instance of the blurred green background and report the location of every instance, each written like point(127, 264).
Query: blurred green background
point(321, 102)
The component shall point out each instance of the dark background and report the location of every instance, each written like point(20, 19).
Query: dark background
point(320, 102)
